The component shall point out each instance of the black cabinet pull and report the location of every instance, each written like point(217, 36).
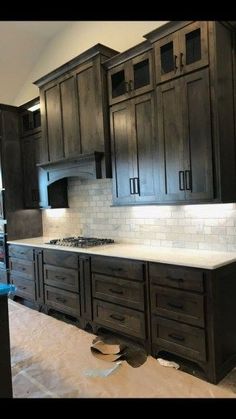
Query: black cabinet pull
point(61, 300)
point(136, 185)
point(117, 317)
point(131, 186)
point(176, 67)
point(21, 288)
point(181, 61)
point(22, 253)
point(175, 305)
point(23, 269)
point(62, 278)
point(188, 180)
point(181, 180)
point(174, 279)
point(176, 337)
point(116, 291)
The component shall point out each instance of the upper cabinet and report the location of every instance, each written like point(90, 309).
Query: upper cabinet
point(182, 51)
point(130, 74)
point(74, 107)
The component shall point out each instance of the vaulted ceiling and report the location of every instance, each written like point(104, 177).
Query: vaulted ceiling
point(20, 46)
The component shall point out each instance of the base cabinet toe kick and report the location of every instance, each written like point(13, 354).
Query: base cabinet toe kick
point(181, 312)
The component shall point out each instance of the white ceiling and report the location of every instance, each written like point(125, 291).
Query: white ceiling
point(20, 46)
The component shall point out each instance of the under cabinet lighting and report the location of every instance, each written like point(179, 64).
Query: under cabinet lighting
point(34, 107)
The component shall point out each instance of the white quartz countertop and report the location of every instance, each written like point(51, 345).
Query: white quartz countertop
point(176, 256)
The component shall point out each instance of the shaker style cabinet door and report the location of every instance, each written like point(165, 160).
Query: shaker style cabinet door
point(181, 52)
point(132, 78)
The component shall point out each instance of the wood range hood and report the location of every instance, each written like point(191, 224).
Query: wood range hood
point(53, 177)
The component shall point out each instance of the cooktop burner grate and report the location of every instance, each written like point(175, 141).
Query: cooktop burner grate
point(80, 241)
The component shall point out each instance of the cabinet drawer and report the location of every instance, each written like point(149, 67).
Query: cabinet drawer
point(118, 267)
point(24, 268)
point(65, 278)
point(178, 305)
point(176, 277)
point(60, 258)
point(179, 338)
point(119, 291)
point(24, 287)
point(22, 252)
point(61, 300)
point(122, 319)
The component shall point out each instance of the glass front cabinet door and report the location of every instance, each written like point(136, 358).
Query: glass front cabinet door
point(182, 52)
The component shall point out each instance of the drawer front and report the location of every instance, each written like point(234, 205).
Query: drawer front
point(24, 268)
point(179, 338)
point(24, 287)
point(122, 319)
point(119, 291)
point(176, 277)
point(178, 305)
point(64, 301)
point(118, 267)
point(60, 258)
point(22, 252)
point(65, 278)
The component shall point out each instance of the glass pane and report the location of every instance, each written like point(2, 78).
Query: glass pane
point(193, 46)
point(37, 119)
point(141, 74)
point(118, 83)
point(167, 58)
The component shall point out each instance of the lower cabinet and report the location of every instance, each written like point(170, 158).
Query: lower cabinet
point(118, 293)
point(185, 312)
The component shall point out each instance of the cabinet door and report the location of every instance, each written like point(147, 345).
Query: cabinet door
point(146, 160)
point(118, 83)
point(193, 41)
point(123, 149)
point(70, 117)
point(171, 138)
point(141, 71)
point(31, 189)
point(197, 131)
point(54, 123)
point(167, 58)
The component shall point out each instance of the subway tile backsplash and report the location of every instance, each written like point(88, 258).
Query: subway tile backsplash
point(209, 227)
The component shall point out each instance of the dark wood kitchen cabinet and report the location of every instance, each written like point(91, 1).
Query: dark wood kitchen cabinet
point(181, 51)
point(185, 136)
point(132, 77)
point(26, 273)
point(195, 117)
point(73, 107)
point(30, 120)
point(30, 151)
point(135, 174)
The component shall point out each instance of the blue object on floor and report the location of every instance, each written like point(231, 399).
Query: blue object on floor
point(5, 289)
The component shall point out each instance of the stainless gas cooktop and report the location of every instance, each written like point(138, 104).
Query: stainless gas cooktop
point(80, 241)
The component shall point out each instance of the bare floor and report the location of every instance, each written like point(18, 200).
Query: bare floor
point(50, 359)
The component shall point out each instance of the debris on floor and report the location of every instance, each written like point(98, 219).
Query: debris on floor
point(102, 373)
point(166, 363)
point(109, 347)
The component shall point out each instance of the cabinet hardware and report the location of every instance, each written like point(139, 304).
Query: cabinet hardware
point(174, 279)
point(117, 317)
point(136, 185)
point(116, 291)
point(181, 180)
point(116, 269)
point(21, 288)
point(176, 337)
point(188, 180)
point(23, 269)
point(61, 300)
point(181, 61)
point(131, 186)
point(176, 67)
point(175, 305)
